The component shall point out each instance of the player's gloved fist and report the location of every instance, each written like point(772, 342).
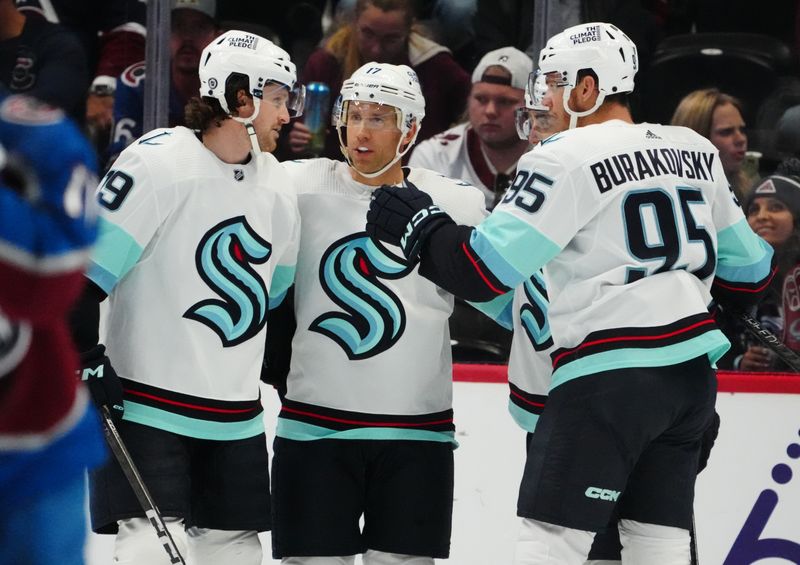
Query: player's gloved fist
point(102, 380)
point(403, 216)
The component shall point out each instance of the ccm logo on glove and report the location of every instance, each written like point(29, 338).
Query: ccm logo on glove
point(418, 219)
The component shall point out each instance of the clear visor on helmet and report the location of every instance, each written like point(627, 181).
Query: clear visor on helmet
point(368, 115)
point(280, 95)
point(523, 122)
point(535, 92)
point(537, 88)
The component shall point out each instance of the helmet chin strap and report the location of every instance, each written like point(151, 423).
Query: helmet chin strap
point(248, 125)
point(397, 155)
point(573, 115)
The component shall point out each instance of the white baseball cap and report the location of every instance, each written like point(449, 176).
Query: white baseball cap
point(207, 7)
point(517, 63)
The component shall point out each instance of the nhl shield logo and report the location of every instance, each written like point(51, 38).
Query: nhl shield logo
point(238, 174)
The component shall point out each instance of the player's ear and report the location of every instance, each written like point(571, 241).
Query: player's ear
point(585, 92)
point(411, 133)
point(588, 85)
point(244, 103)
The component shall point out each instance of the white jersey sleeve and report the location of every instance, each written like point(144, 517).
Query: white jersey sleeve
point(134, 207)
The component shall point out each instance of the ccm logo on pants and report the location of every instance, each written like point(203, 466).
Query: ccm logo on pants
point(602, 493)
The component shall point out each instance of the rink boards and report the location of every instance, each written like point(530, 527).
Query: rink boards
point(748, 499)
point(747, 507)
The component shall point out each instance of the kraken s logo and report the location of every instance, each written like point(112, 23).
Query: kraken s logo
point(373, 318)
point(223, 258)
point(533, 313)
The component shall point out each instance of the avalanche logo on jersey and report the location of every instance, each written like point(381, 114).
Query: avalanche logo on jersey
point(223, 258)
point(533, 313)
point(374, 317)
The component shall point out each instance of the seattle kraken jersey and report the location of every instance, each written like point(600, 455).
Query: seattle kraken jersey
point(371, 354)
point(192, 251)
point(524, 312)
point(633, 222)
point(529, 365)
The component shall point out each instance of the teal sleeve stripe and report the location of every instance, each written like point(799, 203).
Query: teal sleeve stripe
point(192, 427)
point(713, 343)
point(499, 309)
point(755, 272)
point(523, 418)
point(299, 431)
point(282, 279)
point(101, 277)
point(512, 249)
point(275, 301)
point(743, 256)
point(116, 251)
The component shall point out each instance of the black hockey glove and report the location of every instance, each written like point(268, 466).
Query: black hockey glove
point(404, 216)
point(103, 382)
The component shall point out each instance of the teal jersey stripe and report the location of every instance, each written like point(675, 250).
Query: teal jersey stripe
point(524, 419)
point(712, 343)
point(499, 309)
point(511, 248)
point(114, 255)
point(743, 256)
point(282, 279)
point(101, 277)
point(192, 427)
point(275, 300)
point(299, 431)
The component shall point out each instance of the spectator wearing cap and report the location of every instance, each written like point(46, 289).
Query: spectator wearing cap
point(385, 31)
point(194, 25)
point(773, 211)
point(484, 150)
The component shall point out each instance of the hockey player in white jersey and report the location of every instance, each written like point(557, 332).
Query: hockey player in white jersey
point(529, 364)
point(366, 426)
point(637, 228)
point(199, 233)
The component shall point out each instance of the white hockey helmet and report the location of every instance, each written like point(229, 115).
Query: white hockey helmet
point(390, 85)
point(253, 56)
point(598, 46)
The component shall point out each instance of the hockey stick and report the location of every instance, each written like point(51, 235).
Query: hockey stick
point(770, 340)
point(142, 494)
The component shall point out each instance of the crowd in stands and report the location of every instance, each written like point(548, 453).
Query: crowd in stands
point(472, 58)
